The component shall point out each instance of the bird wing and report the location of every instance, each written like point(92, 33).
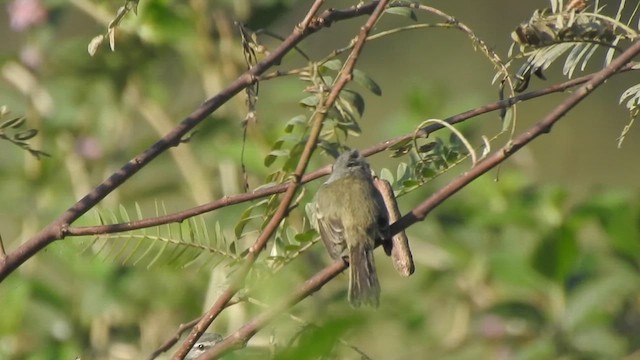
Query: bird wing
point(332, 234)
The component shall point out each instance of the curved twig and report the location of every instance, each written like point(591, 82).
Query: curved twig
point(444, 124)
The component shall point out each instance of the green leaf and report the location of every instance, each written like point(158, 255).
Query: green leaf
point(410, 184)
point(350, 127)
point(425, 148)
point(334, 64)
point(452, 156)
point(519, 310)
point(288, 138)
point(123, 213)
point(266, 185)
point(295, 121)
point(400, 144)
point(306, 236)
point(310, 101)
point(354, 100)
point(633, 96)
point(507, 119)
point(273, 155)
point(402, 173)
point(385, 174)
point(316, 341)
point(13, 123)
point(245, 217)
point(428, 172)
point(556, 255)
point(363, 79)
point(402, 11)
point(621, 224)
point(400, 151)
point(293, 157)
point(330, 148)
point(219, 235)
point(25, 135)
point(277, 250)
point(291, 248)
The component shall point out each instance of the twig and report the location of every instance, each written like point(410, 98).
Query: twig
point(3, 253)
point(181, 329)
point(173, 340)
point(315, 7)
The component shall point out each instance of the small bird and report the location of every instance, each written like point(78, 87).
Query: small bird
point(352, 218)
point(206, 342)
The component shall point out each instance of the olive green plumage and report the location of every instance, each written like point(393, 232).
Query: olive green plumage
point(352, 218)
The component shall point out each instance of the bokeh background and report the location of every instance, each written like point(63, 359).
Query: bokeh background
point(540, 264)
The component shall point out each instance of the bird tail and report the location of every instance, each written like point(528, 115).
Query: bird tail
point(364, 288)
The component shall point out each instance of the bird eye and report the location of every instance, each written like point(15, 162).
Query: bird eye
point(201, 346)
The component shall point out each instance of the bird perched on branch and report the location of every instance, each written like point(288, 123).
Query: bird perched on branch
point(351, 217)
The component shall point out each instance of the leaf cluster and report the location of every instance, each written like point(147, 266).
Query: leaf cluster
point(12, 130)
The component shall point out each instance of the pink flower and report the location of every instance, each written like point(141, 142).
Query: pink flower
point(24, 14)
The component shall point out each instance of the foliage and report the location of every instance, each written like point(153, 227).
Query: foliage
point(579, 28)
point(510, 269)
point(9, 132)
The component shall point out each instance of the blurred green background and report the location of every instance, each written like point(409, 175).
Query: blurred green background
point(541, 264)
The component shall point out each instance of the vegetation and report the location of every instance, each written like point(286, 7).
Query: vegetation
point(159, 221)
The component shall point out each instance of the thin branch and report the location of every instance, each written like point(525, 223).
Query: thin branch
point(3, 253)
point(181, 329)
point(317, 121)
point(315, 7)
point(242, 335)
point(173, 340)
point(280, 188)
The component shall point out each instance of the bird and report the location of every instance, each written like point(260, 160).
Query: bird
point(352, 218)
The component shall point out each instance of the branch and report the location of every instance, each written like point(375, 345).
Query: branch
point(168, 344)
point(242, 335)
point(317, 120)
point(58, 229)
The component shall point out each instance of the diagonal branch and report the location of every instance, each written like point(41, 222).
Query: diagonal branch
point(313, 284)
point(317, 120)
